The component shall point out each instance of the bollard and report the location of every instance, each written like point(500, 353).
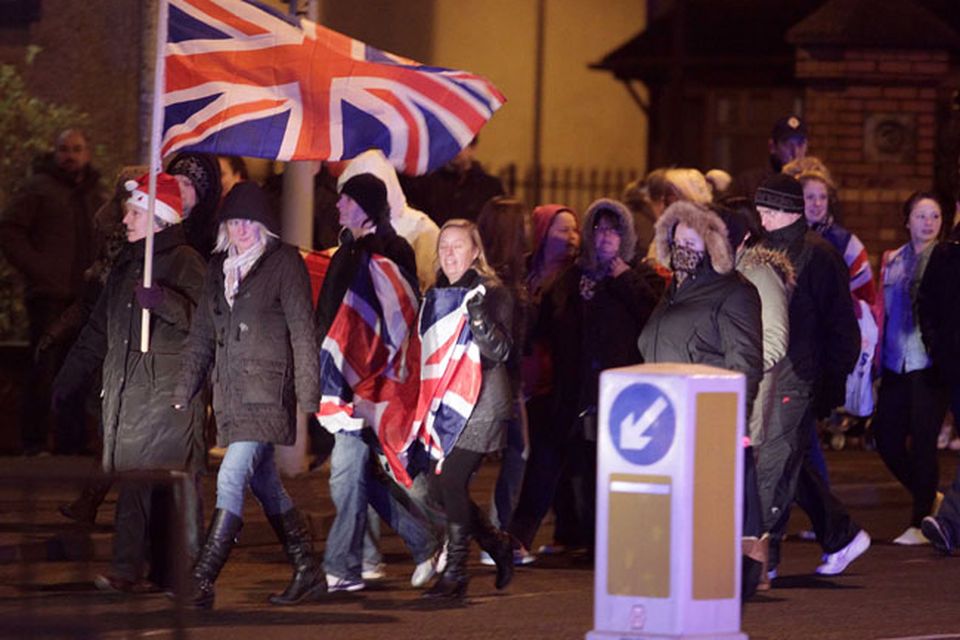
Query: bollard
point(669, 503)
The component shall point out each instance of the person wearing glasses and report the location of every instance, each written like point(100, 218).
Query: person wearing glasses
point(592, 316)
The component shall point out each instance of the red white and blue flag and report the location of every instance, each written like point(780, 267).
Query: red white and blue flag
point(450, 371)
point(245, 79)
point(370, 361)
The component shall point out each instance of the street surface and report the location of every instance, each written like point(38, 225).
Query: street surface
point(47, 565)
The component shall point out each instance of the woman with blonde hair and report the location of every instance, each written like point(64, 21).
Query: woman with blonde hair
point(466, 281)
point(253, 333)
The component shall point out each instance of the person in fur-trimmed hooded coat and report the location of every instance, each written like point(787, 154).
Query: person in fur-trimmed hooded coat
point(710, 314)
point(591, 317)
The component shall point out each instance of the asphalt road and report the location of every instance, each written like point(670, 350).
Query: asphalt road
point(47, 565)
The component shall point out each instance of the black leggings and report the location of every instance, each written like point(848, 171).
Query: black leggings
point(910, 410)
point(451, 487)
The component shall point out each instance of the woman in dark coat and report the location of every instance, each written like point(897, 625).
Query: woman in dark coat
point(710, 314)
point(590, 318)
point(141, 432)
point(254, 333)
point(489, 308)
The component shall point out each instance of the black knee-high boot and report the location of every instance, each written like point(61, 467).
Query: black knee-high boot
point(495, 542)
point(308, 579)
point(221, 537)
point(452, 583)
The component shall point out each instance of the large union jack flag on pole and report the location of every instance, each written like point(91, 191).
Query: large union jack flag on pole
point(245, 79)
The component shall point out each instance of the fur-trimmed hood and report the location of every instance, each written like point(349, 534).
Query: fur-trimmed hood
point(708, 226)
point(757, 255)
point(628, 240)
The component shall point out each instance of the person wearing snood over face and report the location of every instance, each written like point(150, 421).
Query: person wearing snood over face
point(710, 314)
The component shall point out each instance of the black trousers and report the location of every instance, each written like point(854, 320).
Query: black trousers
point(561, 472)
point(790, 450)
point(910, 411)
point(146, 526)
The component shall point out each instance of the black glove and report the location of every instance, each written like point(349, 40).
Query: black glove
point(149, 297)
point(475, 309)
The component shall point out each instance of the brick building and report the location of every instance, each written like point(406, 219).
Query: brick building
point(876, 80)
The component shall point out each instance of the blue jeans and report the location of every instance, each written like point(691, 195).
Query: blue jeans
point(251, 463)
point(352, 488)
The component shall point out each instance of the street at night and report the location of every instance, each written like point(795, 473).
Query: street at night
point(891, 592)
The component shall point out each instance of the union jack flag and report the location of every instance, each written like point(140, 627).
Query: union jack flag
point(370, 361)
point(450, 372)
point(245, 79)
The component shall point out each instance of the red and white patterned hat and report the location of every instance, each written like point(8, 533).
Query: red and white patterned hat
point(169, 206)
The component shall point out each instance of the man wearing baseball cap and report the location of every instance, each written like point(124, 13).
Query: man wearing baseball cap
point(787, 142)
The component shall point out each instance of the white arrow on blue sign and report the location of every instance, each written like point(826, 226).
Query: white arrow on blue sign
point(642, 423)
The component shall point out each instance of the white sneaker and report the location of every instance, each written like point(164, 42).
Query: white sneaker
point(486, 559)
point(335, 584)
point(522, 557)
point(911, 538)
point(423, 573)
point(835, 563)
point(376, 572)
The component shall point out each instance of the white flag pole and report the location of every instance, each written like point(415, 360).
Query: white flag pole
point(156, 126)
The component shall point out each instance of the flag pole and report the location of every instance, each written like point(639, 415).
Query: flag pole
point(156, 125)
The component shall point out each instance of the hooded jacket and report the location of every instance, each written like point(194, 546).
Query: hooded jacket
point(713, 317)
point(410, 224)
point(47, 231)
point(140, 428)
point(772, 274)
point(537, 362)
point(593, 324)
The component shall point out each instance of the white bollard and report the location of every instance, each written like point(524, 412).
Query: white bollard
point(669, 503)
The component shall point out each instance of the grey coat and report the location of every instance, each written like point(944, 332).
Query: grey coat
point(261, 353)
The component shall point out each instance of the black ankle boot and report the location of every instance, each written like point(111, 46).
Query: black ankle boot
point(309, 580)
point(495, 542)
point(221, 537)
point(452, 583)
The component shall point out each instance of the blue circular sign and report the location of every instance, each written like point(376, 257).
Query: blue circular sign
point(642, 423)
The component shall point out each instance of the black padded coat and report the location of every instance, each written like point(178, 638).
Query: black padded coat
point(140, 428)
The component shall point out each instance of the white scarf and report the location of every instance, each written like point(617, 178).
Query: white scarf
point(237, 266)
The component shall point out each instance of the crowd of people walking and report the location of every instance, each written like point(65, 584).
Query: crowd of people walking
point(477, 327)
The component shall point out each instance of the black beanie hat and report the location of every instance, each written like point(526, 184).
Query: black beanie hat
point(781, 193)
point(370, 193)
point(247, 201)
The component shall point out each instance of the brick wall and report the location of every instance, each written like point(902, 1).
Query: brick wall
point(848, 93)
